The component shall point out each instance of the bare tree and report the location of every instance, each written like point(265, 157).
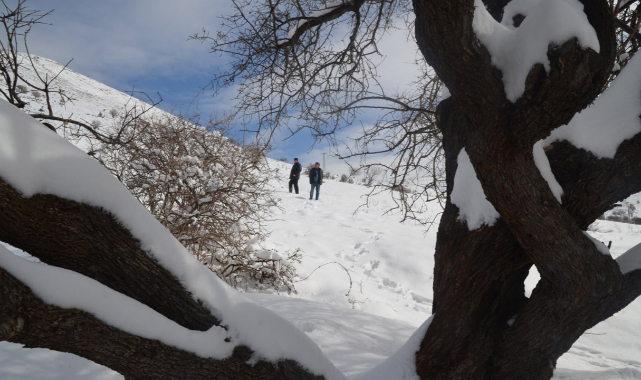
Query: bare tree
point(372, 173)
point(286, 60)
point(632, 210)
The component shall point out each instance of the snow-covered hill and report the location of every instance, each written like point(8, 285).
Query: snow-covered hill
point(367, 279)
point(91, 101)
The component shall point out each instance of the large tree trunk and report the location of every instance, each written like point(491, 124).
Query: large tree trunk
point(479, 275)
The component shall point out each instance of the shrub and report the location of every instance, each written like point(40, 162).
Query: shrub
point(210, 193)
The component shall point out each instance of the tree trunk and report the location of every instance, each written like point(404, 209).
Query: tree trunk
point(479, 275)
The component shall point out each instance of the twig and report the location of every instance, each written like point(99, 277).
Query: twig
point(333, 262)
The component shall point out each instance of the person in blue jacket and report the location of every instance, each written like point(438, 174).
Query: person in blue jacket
point(315, 179)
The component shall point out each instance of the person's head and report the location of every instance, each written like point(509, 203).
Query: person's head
point(317, 165)
point(295, 159)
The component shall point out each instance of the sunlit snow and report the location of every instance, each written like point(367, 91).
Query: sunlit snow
point(515, 50)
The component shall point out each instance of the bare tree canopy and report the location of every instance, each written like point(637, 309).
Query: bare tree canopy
point(298, 64)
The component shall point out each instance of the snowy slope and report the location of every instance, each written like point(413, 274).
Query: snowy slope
point(91, 102)
point(389, 265)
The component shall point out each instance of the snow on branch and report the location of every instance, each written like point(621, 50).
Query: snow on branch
point(516, 50)
point(68, 290)
point(611, 119)
point(35, 160)
point(543, 164)
point(469, 197)
point(630, 260)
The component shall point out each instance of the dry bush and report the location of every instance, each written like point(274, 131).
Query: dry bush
point(210, 193)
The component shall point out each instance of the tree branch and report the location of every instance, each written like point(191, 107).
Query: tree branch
point(306, 23)
point(26, 319)
point(90, 241)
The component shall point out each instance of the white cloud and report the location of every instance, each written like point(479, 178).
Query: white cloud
point(118, 42)
point(145, 43)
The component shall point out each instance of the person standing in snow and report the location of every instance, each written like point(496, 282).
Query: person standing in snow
point(315, 179)
point(294, 176)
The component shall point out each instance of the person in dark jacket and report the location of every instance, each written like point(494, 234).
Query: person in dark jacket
point(294, 176)
point(315, 179)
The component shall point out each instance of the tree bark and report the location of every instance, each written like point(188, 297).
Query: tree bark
point(478, 279)
point(26, 319)
point(90, 241)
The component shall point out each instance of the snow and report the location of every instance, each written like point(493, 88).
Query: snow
point(543, 164)
point(630, 260)
point(36, 160)
point(92, 101)
point(353, 340)
point(18, 363)
point(401, 365)
point(391, 266)
point(612, 119)
point(515, 50)
point(68, 289)
point(469, 197)
point(598, 244)
point(445, 93)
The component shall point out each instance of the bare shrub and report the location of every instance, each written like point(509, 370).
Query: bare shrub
point(632, 210)
point(372, 173)
point(210, 193)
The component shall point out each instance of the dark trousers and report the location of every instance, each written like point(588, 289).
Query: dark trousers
point(293, 181)
point(317, 187)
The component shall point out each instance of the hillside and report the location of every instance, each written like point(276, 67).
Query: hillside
point(91, 102)
point(366, 279)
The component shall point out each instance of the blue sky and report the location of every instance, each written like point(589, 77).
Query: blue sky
point(144, 44)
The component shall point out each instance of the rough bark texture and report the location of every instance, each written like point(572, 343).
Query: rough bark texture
point(90, 241)
point(478, 279)
point(25, 319)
